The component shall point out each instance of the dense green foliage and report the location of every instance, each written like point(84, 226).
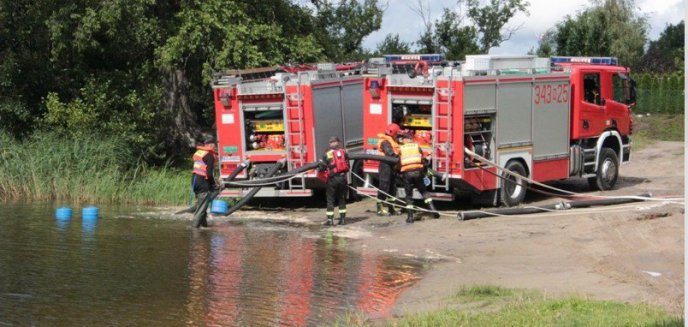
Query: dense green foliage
point(496, 306)
point(341, 26)
point(609, 27)
point(665, 55)
point(140, 69)
point(392, 45)
point(659, 93)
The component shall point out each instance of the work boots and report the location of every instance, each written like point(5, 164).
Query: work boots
point(392, 212)
point(381, 210)
point(409, 216)
point(435, 214)
point(329, 221)
point(341, 219)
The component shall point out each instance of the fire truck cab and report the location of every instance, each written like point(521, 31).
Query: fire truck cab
point(544, 118)
point(265, 115)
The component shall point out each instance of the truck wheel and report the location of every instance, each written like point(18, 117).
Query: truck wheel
point(607, 171)
point(513, 189)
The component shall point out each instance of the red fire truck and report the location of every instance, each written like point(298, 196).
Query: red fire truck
point(265, 115)
point(544, 118)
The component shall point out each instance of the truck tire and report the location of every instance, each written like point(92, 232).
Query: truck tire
point(512, 193)
point(607, 171)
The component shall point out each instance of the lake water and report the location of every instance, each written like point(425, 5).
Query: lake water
point(120, 270)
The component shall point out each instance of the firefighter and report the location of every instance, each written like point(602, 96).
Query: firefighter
point(335, 164)
point(413, 167)
point(203, 181)
point(387, 173)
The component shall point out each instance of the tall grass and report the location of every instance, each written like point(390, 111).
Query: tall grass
point(90, 169)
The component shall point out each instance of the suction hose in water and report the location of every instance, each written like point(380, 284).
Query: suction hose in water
point(466, 215)
point(273, 170)
point(231, 177)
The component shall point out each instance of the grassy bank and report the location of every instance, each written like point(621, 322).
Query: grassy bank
point(657, 127)
point(47, 167)
point(495, 306)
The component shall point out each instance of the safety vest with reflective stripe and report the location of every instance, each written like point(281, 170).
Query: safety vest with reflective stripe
point(392, 142)
point(199, 166)
point(411, 158)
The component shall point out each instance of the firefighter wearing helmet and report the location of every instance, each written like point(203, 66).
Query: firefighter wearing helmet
point(387, 173)
point(335, 165)
point(413, 166)
point(203, 181)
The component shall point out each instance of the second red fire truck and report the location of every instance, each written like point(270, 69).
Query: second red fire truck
point(544, 118)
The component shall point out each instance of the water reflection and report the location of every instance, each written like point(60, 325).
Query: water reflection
point(155, 272)
point(61, 224)
point(246, 277)
point(88, 226)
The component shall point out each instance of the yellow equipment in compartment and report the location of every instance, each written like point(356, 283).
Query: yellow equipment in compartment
point(262, 126)
point(417, 121)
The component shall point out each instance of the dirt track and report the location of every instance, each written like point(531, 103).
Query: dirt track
point(631, 253)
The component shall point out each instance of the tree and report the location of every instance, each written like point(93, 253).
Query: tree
point(391, 44)
point(490, 20)
point(214, 35)
point(607, 28)
point(665, 54)
point(453, 38)
point(341, 27)
point(26, 73)
point(456, 35)
point(546, 44)
point(426, 40)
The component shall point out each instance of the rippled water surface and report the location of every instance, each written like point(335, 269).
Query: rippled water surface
point(136, 271)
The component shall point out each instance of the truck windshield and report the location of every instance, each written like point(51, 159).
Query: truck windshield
point(621, 88)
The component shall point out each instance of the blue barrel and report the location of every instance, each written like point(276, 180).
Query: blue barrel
point(219, 207)
point(89, 213)
point(63, 213)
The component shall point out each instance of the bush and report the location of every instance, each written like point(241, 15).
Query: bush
point(659, 93)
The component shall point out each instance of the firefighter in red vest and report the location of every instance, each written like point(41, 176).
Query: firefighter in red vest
point(387, 173)
point(335, 163)
point(413, 166)
point(203, 181)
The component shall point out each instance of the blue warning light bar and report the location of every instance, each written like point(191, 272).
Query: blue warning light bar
point(435, 57)
point(586, 60)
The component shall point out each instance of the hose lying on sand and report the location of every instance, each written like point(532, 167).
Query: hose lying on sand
point(475, 214)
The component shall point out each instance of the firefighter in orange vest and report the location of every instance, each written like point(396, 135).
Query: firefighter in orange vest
point(335, 163)
point(413, 166)
point(203, 181)
point(387, 173)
